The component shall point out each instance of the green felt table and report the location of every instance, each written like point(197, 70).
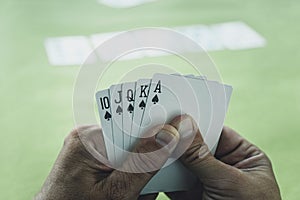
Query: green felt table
point(36, 98)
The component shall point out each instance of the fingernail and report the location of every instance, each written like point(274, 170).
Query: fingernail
point(186, 128)
point(167, 140)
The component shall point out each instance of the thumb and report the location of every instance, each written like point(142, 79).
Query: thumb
point(197, 156)
point(149, 155)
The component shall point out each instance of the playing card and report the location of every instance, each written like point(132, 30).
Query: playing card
point(220, 97)
point(136, 107)
point(141, 95)
point(174, 177)
point(117, 121)
point(204, 100)
point(104, 108)
point(170, 96)
point(128, 100)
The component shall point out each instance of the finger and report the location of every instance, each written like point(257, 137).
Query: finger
point(85, 145)
point(237, 151)
point(197, 157)
point(92, 139)
point(228, 142)
point(148, 197)
point(150, 154)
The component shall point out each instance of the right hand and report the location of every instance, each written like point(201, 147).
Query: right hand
point(240, 172)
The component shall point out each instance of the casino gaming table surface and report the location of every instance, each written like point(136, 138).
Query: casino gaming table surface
point(36, 98)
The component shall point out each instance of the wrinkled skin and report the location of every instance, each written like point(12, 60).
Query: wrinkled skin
point(241, 170)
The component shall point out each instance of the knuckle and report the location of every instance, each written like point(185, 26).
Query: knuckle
point(71, 136)
point(148, 156)
point(141, 162)
point(73, 141)
point(169, 128)
point(196, 153)
point(77, 132)
point(147, 145)
point(147, 162)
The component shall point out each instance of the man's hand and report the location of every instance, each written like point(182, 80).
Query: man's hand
point(77, 173)
point(240, 172)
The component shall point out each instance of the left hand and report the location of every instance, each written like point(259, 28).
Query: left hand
point(78, 175)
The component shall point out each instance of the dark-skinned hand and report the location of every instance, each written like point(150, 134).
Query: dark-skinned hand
point(78, 173)
point(240, 171)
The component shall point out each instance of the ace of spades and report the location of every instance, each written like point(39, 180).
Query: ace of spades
point(157, 91)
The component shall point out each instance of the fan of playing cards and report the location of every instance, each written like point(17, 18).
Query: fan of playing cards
point(129, 109)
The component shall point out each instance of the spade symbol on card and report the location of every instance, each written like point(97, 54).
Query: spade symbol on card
point(155, 99)
point(142, 105)
point(119, 110)
point(107, 116)
point(130, 108)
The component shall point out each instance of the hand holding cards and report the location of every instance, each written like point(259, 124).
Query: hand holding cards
point(130, 109)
